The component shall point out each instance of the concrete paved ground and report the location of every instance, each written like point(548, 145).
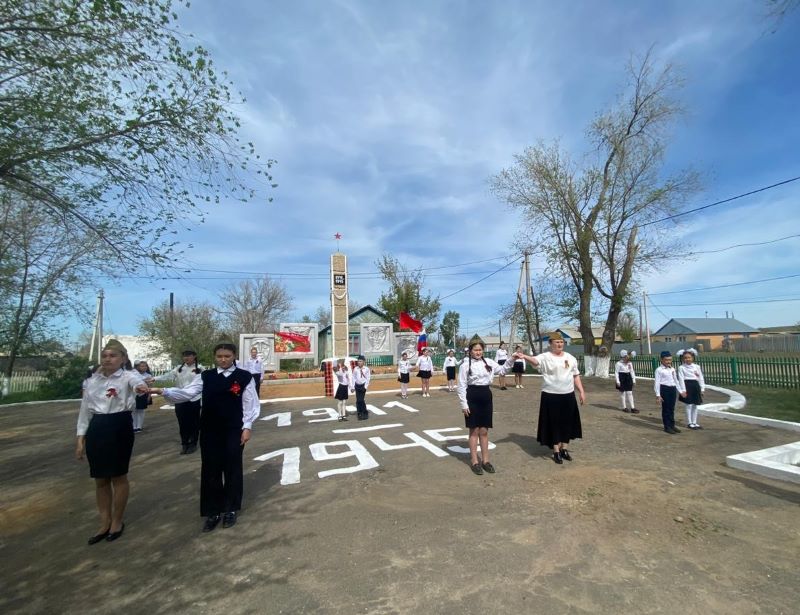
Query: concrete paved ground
point(639, 522)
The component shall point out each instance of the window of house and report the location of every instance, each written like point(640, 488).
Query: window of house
point(354, 345)
point(667, 339)
point(681, 338)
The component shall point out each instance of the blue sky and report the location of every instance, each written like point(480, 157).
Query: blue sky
point(387, 119)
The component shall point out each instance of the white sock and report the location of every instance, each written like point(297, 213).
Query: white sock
point(689, 420)
point(622, 400)
point(694, 413)
point(342, 407)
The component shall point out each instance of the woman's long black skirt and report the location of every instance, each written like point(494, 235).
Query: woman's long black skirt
point(559, 418)
point(479, 401)
point(109, 444)
point(693, 395)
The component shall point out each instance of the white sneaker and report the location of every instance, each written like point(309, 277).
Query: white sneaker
point(521, 387)
point(516, 386)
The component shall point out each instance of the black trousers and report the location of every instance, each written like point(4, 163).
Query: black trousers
point(668, 397)
point(221, 481)
point(257, 384)
point(361, 404)
point(188, 415)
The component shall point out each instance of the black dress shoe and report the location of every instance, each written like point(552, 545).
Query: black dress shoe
point(477, 469)
point(557, 458)
point(489, 468)
point(676, 430)
point(211, 523)
point(98, 537)
point(112, 536)
point(634, 411)
point(565, 454)
point(228, 519)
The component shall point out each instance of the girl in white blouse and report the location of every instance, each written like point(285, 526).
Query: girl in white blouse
point(403, 368)
point(450, 364)
point(501, 356)
point(475, 395)
point(105, 435)
point(625, 378)
point(690, 379)
point(344, 384)
point(425, 371)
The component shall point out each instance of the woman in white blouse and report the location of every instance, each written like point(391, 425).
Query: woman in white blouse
point(474, 377)
point(105, 435)
point(425, 371)
point(559, 417)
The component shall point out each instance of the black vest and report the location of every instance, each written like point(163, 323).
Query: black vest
point(222, 398)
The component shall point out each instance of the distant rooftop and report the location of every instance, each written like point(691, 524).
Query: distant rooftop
point(704, 326)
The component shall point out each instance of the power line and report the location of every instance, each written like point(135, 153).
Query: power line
point(481, 280)
point(326, 274)
point(728, 200)
point(723, 303)
point(690, 290)
point(743, 245)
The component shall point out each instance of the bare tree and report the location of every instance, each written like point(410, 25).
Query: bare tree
point(254, 306)
point(322, 315)
point(44, 263)
point(189, 325)
point(601, 223)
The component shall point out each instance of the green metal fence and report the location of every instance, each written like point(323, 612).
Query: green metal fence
point(773, 372)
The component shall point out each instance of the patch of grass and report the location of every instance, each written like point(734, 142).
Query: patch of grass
point(16, 398)
point(783, 404)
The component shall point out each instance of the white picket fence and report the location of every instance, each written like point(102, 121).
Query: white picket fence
point(25, 381)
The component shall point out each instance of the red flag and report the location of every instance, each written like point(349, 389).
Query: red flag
point(406, 322)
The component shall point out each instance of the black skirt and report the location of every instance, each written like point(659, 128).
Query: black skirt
point(142, 401)
point(559, 418)
point(693, 395)
point(341, 392)
point(625, 381)
point(424, 373)
point(451, 372)
point(404, 378)
point(519, 368)
point(479, 402)
point(501, 362)
point(109, 444)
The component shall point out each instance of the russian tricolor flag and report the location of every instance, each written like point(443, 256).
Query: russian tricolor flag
point(422, 342)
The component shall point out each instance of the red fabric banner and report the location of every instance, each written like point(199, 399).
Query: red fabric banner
point(406, 322)
point(286, 341)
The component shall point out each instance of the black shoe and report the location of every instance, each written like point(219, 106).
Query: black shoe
point(112, 536)
point(634, 411)
point(211, 523)
point(344, 418)
point(476, 468)
point(228, 519)
point(98, 537)
point(502, 388)
point(625, 410)
point(669, 430)
point(557, 458)
point(191, 449)
point(489, 468)
point(565, 454)
point(676, 430)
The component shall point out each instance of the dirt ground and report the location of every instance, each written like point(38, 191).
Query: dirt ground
point(639, 522)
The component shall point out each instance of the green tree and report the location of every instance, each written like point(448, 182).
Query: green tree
point(192, 325)
point(449, 328)
point(110, 119)
point(405, 294)
point(601, 222)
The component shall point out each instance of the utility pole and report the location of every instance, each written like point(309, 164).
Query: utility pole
point(646, 325)
point(641, 342)
point(517, 306)
point(96, 345)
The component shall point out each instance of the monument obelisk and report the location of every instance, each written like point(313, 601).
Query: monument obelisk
point(340, 332)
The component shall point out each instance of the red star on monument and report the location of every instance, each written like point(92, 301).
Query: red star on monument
point(337, 236)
